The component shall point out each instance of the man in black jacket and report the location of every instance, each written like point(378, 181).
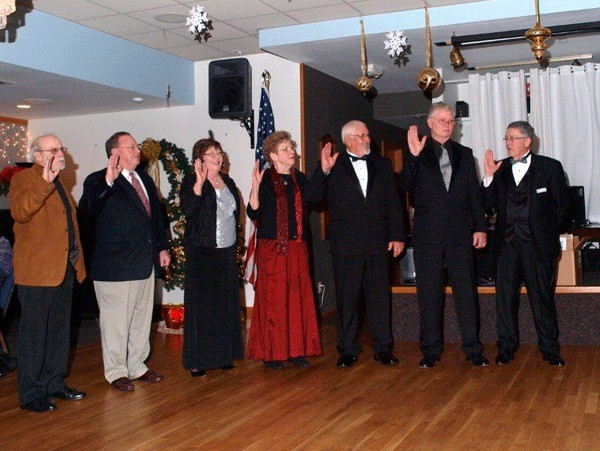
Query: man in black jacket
point(530, 195)
point(130, 245)
point(442, 175)
point(366, 223)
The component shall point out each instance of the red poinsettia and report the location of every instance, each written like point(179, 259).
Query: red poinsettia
point(6, 176)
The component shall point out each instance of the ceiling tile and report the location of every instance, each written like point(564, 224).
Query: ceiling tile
point(119, 25)
point(287, 5)
point(316, 14)
point(127, 6)
point(370, 7)
point(196, 52)
point(244, 46)
point(159, 39)
point(221, 32)
point(233, 9)
point(251, 25)
point(149, 15)
point(72, 9)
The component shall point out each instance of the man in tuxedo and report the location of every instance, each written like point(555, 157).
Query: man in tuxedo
point(366, 224)
point(47, 257)
point(447, 201)
point(130, 245)
point(530, 195)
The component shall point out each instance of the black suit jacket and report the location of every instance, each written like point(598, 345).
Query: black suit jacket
point(359, 225)
point(548, 203)
point(444, 215)
point(127, 239)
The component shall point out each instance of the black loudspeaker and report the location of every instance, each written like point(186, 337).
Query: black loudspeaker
point(578, 218)
point(462, 109)
point(229, 88)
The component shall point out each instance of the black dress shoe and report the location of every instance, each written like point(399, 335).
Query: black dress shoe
point(478, 360)
point(346, 361)
point(274, 365)
point(197, 373)
point(300, 362)
point(386, 358)
point(554, 359)
point(503, 358)
point(39, 405)
point(69, 394)
point(429, 361)
point(227, 367)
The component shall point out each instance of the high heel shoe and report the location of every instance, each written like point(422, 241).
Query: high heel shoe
point(197, 373)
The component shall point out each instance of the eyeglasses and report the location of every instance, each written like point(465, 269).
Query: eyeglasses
point(445, 121)
point(55, 150)
point(513, 138)
point(287, 149)
point(361, 136)
point(139, 147)
point(213, 154)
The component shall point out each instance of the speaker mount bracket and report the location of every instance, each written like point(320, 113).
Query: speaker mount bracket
point(248, 124)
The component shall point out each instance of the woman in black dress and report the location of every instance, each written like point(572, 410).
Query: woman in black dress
point(210, 201)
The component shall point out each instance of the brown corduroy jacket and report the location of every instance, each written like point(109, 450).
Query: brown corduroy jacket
point(41, 247)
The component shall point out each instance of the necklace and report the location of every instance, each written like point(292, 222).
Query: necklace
point(285, 178)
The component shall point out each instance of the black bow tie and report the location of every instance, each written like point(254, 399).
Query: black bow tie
point(519, 160)
point(363, 158)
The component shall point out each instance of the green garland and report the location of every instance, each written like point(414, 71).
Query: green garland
point(176, 165)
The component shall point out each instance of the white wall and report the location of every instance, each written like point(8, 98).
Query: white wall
point(183, 126)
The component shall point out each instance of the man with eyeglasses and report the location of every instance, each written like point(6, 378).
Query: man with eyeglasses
point(47, 258)
point(366, 224)
point(130, 246)
point(449, 222)
point(530, 195)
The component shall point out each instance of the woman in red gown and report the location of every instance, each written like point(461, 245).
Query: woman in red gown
point(284, 323)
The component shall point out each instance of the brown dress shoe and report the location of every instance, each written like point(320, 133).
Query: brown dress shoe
point(150, 376)
point(122, 384)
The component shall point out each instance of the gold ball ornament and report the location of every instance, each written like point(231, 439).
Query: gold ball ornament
point(428, 79)
point(363, 84)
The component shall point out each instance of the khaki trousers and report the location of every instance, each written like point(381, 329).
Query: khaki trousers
point(125, 320)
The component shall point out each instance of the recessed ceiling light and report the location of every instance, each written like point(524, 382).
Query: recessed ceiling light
point(23, 106)
point(138, 99)
point(37, 101)
point(170, 18)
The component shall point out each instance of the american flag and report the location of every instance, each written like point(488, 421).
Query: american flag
point(266, 125)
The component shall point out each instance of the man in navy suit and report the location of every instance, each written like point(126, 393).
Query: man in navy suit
point(130, 245)
point(366, 224)
point(448, 204)
point(530, 195)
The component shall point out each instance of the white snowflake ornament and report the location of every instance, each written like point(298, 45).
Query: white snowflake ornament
point(396, 45)
point(197, 19)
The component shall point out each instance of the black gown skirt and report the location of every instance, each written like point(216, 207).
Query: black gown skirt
point(212, 333)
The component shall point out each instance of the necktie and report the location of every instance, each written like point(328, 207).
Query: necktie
point(353, 158)
point(138, 188)
point(519, 160)
point(445, 167)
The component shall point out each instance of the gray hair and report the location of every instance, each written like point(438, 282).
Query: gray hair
point(348, 127)
point(439, 106)
point(524, 127)
point(36, 146)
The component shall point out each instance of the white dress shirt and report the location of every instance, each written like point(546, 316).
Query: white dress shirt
point(518, 170)
point(360, 167)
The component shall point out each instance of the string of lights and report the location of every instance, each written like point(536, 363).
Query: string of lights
point(13, 143)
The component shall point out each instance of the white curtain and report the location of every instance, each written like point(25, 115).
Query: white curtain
point(496, 101)
point(565, 112)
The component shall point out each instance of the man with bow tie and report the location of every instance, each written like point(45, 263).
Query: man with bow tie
point(366, 224)
point(530, 195)
point(449, 222)
point(130, 247)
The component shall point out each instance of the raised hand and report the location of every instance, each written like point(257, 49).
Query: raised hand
point(415, 145)
point(201, 175)
point(490, 165)
point(257, 176)
point(113, 169)
point(49, 173)
point(328, 159)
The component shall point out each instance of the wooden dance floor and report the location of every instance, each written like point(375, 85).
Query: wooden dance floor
point(525, 405)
